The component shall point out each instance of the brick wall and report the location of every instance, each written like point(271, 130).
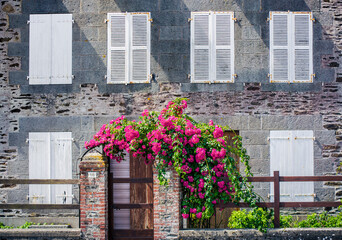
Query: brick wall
point(94, 197)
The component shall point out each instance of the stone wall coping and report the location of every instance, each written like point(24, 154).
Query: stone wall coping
point(65, 233)
point(295, 233)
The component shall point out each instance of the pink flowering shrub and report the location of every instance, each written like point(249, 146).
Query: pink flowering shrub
point(197, 151)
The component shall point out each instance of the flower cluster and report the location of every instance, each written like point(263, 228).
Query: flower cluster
point(197, 151)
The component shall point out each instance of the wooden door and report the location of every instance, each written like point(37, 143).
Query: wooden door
point(131, 199)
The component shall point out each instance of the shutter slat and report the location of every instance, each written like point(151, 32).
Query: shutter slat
point(280, 30)
point(139, 60)
point(61, 72)
point(201, 64)
point(39, 166)
point(139, 25)
point(302, 64)
point(223, 22)
point(61, 165)
point(118, 65)
point(118, 30)
point(201, 29)
point(40, 49)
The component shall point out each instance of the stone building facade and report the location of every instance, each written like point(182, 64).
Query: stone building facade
point(252, 105)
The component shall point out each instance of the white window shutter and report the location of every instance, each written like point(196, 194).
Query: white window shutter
point(118, 43)
point(61, 37)
point(279, 47)
point(302, 154)
point(140, 47)
point(61, 166)
point(223, 47)
point(121, 193)
point(280, 160)
point(200, 47)
point(303, 66)
point(39, 167)
point(40, 49)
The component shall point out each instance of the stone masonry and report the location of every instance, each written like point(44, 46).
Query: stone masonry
point(251, 105)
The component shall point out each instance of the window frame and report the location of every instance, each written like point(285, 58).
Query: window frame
point(291, 47)
point(212, 46)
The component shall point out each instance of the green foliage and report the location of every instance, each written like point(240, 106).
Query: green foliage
point(262, 219)
point(24, 226)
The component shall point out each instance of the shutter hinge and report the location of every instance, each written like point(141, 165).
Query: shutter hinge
point(269, 75)
point(28, 78)
point(150, 76)
point(313, 19)
point(105, 76)
point(234, 75)
point(190, 19)
point(234, 19)
point(268, 19)
point(28, 22)
point(73, 21)
point(72, 76)
point(106, 21)
point(189, 76)
point(150, 19)
point(312, 76)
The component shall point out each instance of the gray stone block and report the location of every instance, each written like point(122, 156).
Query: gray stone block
point(49, 124)
point(90, 6)
point(177, 46)
point(293, 87)
point(323, 47)
point(172, 18)
point(325, 194)
point(324, 166)
point(305, 122)
point(18, 20)
point(245, 75)
point(275, 122)
point(254, 122)
point(251, 5)
point(72, 6)
point(324, 75)
point(205, 87)
point(102, 34)
point(76, 33)
point(171, 61)
point(254, 151)
point(17, 139)
point(90, 76)
point(175, 5)
point(89, 34)
point(171, 33)
point(18, 49)
point(137, 6)
point(254, 137)
point(18, 78)
point(325, 137)
point(89, 19)
point(87, 123)
point(53, 88)
point(43, 6)
point(252, 32)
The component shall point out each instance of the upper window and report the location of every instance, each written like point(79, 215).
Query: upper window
point(212, 47)
point(50, 157)
point(128, 48)
point(291, 47)
point(50, 49)
point(291, 153)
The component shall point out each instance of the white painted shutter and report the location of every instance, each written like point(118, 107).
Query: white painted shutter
point(291, 153)
point(61, 166)
point(302, 47)
point(61, 37)
point(39, 166)
point(118, 43)
point(140, 47)
point(200, 47)
point(223, 47)
point(40, 49)
point(302, 145)
point(280, 160)
point(279, 47)
point(121, 193)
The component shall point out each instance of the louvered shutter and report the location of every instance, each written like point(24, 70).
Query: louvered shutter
point(61, 166)
point(118, 42)
point(302, 47)
point(279, 47)
point(121, 193)
point(40, 49)
point(280, 160)
point(302, 154)
point(223, 47)
point(200, 47)
point(140, 47)
point(61, 37)
point(39, 167)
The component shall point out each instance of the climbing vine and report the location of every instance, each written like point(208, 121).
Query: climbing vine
point(197, 151)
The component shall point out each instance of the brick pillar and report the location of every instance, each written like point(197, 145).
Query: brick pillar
point(94, 197)
point(166, 206)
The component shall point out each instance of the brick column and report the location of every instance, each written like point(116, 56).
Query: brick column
point(94, 197)
point(166, 206)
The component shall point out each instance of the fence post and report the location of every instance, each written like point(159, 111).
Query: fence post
point(276, 199)
point(94, 197)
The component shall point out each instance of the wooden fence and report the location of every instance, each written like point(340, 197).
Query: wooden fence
point(39, 206)
point(276, 205)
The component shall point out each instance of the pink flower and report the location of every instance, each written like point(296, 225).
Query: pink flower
point(214, 202)
point(184, 215)
point(220, 184)
point(191, 179)
point(211, 123)
point(199, 215)
point(217, 132)
point(200, 154)
point(145, 113)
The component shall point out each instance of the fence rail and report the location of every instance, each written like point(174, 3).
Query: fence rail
point(276, 204)
point(34, 205)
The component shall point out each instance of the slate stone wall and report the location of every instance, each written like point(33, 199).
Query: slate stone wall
point(251, 105)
